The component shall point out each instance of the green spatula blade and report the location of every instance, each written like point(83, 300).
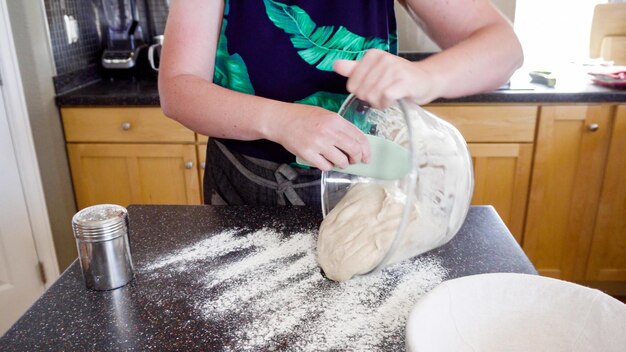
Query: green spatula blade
point(388, 161)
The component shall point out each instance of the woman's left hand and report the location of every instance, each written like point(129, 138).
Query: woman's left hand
point(381, 78)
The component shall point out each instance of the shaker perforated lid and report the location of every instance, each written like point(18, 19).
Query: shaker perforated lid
point(100, 222)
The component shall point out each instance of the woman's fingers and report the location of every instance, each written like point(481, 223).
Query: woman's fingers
point(344, 67)
point(351, 147)
point(381, 78)
point(346, 147)
point(370, 75)
point(362, 70)
point(356, 140)
point(323, 138)
point(318, 161)
point(336, 157)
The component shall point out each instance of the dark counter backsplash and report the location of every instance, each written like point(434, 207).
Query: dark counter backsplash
point(78, 64)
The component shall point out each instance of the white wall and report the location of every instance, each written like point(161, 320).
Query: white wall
point(558, 39)
point(412, 39)
point(28, 22)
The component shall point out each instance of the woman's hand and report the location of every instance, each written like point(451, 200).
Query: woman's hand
point(381, 78)
point(321, 137)
point(480, 53)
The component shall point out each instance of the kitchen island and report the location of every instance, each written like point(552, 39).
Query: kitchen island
point(165, 309)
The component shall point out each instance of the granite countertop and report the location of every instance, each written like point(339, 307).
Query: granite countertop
point(119, 92)
point(573, 88)
point(160, 309)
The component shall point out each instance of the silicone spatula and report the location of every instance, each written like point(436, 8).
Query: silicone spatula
point(388, 161)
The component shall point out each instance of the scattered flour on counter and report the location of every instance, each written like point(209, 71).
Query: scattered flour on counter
point(266, 290)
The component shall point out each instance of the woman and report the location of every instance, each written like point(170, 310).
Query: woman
point(264, 79)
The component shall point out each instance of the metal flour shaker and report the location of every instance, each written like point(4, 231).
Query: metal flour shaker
point(101, 233)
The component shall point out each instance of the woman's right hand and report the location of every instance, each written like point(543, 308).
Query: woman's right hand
point(321, 137)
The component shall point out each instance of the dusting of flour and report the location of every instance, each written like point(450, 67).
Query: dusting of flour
point(266, 290)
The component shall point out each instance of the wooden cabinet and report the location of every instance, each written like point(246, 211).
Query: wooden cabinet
point(134, 173)
point(134, 125)
point(493, 123)
point(501, 178)
point(202, 162)
point(571, 147)
point(130, 155)
point(607, 260)
point(500, 139)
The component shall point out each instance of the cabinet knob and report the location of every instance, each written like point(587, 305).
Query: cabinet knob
point(203, 165)
point(593, 127)
point(189, 165)
point(126, 126)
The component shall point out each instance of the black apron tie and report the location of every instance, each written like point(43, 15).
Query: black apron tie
point(285, 174)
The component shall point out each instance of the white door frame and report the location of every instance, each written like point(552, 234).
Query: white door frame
point(19, 127)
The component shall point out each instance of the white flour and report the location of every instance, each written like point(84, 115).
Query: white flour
point(268, 292)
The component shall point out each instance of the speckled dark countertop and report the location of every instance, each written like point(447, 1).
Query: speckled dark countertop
point(118, 92)
point(140, 316)
point(574, 88)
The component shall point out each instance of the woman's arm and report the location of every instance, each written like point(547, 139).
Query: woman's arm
point(188, 95)
point(480, 53)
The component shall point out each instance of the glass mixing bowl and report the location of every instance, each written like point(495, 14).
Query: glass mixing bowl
point(440, 181)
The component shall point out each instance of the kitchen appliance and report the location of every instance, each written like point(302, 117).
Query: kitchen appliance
point(154, 52)
point(125, 36)
point(440, 181)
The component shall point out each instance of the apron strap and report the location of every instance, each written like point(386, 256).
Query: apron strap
point(284, 174)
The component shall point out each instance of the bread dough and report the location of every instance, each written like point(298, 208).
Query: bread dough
point(357, 233)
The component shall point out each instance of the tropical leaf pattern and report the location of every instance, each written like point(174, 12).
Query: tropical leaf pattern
point(230, 70)
point(319, 46)
point(393, 42)
point(327, 100)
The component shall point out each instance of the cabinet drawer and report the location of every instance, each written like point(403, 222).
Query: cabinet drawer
point(493, 123)
point(122, 125)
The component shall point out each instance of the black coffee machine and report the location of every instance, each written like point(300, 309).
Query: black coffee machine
point(125, 46)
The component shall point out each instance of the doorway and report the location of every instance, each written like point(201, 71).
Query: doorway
point(20, 281)
point(26, 249)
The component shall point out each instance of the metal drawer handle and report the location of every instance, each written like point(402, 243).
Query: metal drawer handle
point(203, 165)
point(593, 127)
point(189, 165)
point(126, 126)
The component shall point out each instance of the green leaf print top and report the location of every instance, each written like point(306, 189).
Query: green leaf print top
point(284, 50)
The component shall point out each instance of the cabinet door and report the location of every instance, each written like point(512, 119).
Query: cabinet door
point(202, 164)
point(134, 173)
point(608, 252)
point(501, 178)
point(567, 174)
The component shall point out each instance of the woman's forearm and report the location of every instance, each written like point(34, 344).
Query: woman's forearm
point(482, 62)
point(319, 136)
point(216, 111)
